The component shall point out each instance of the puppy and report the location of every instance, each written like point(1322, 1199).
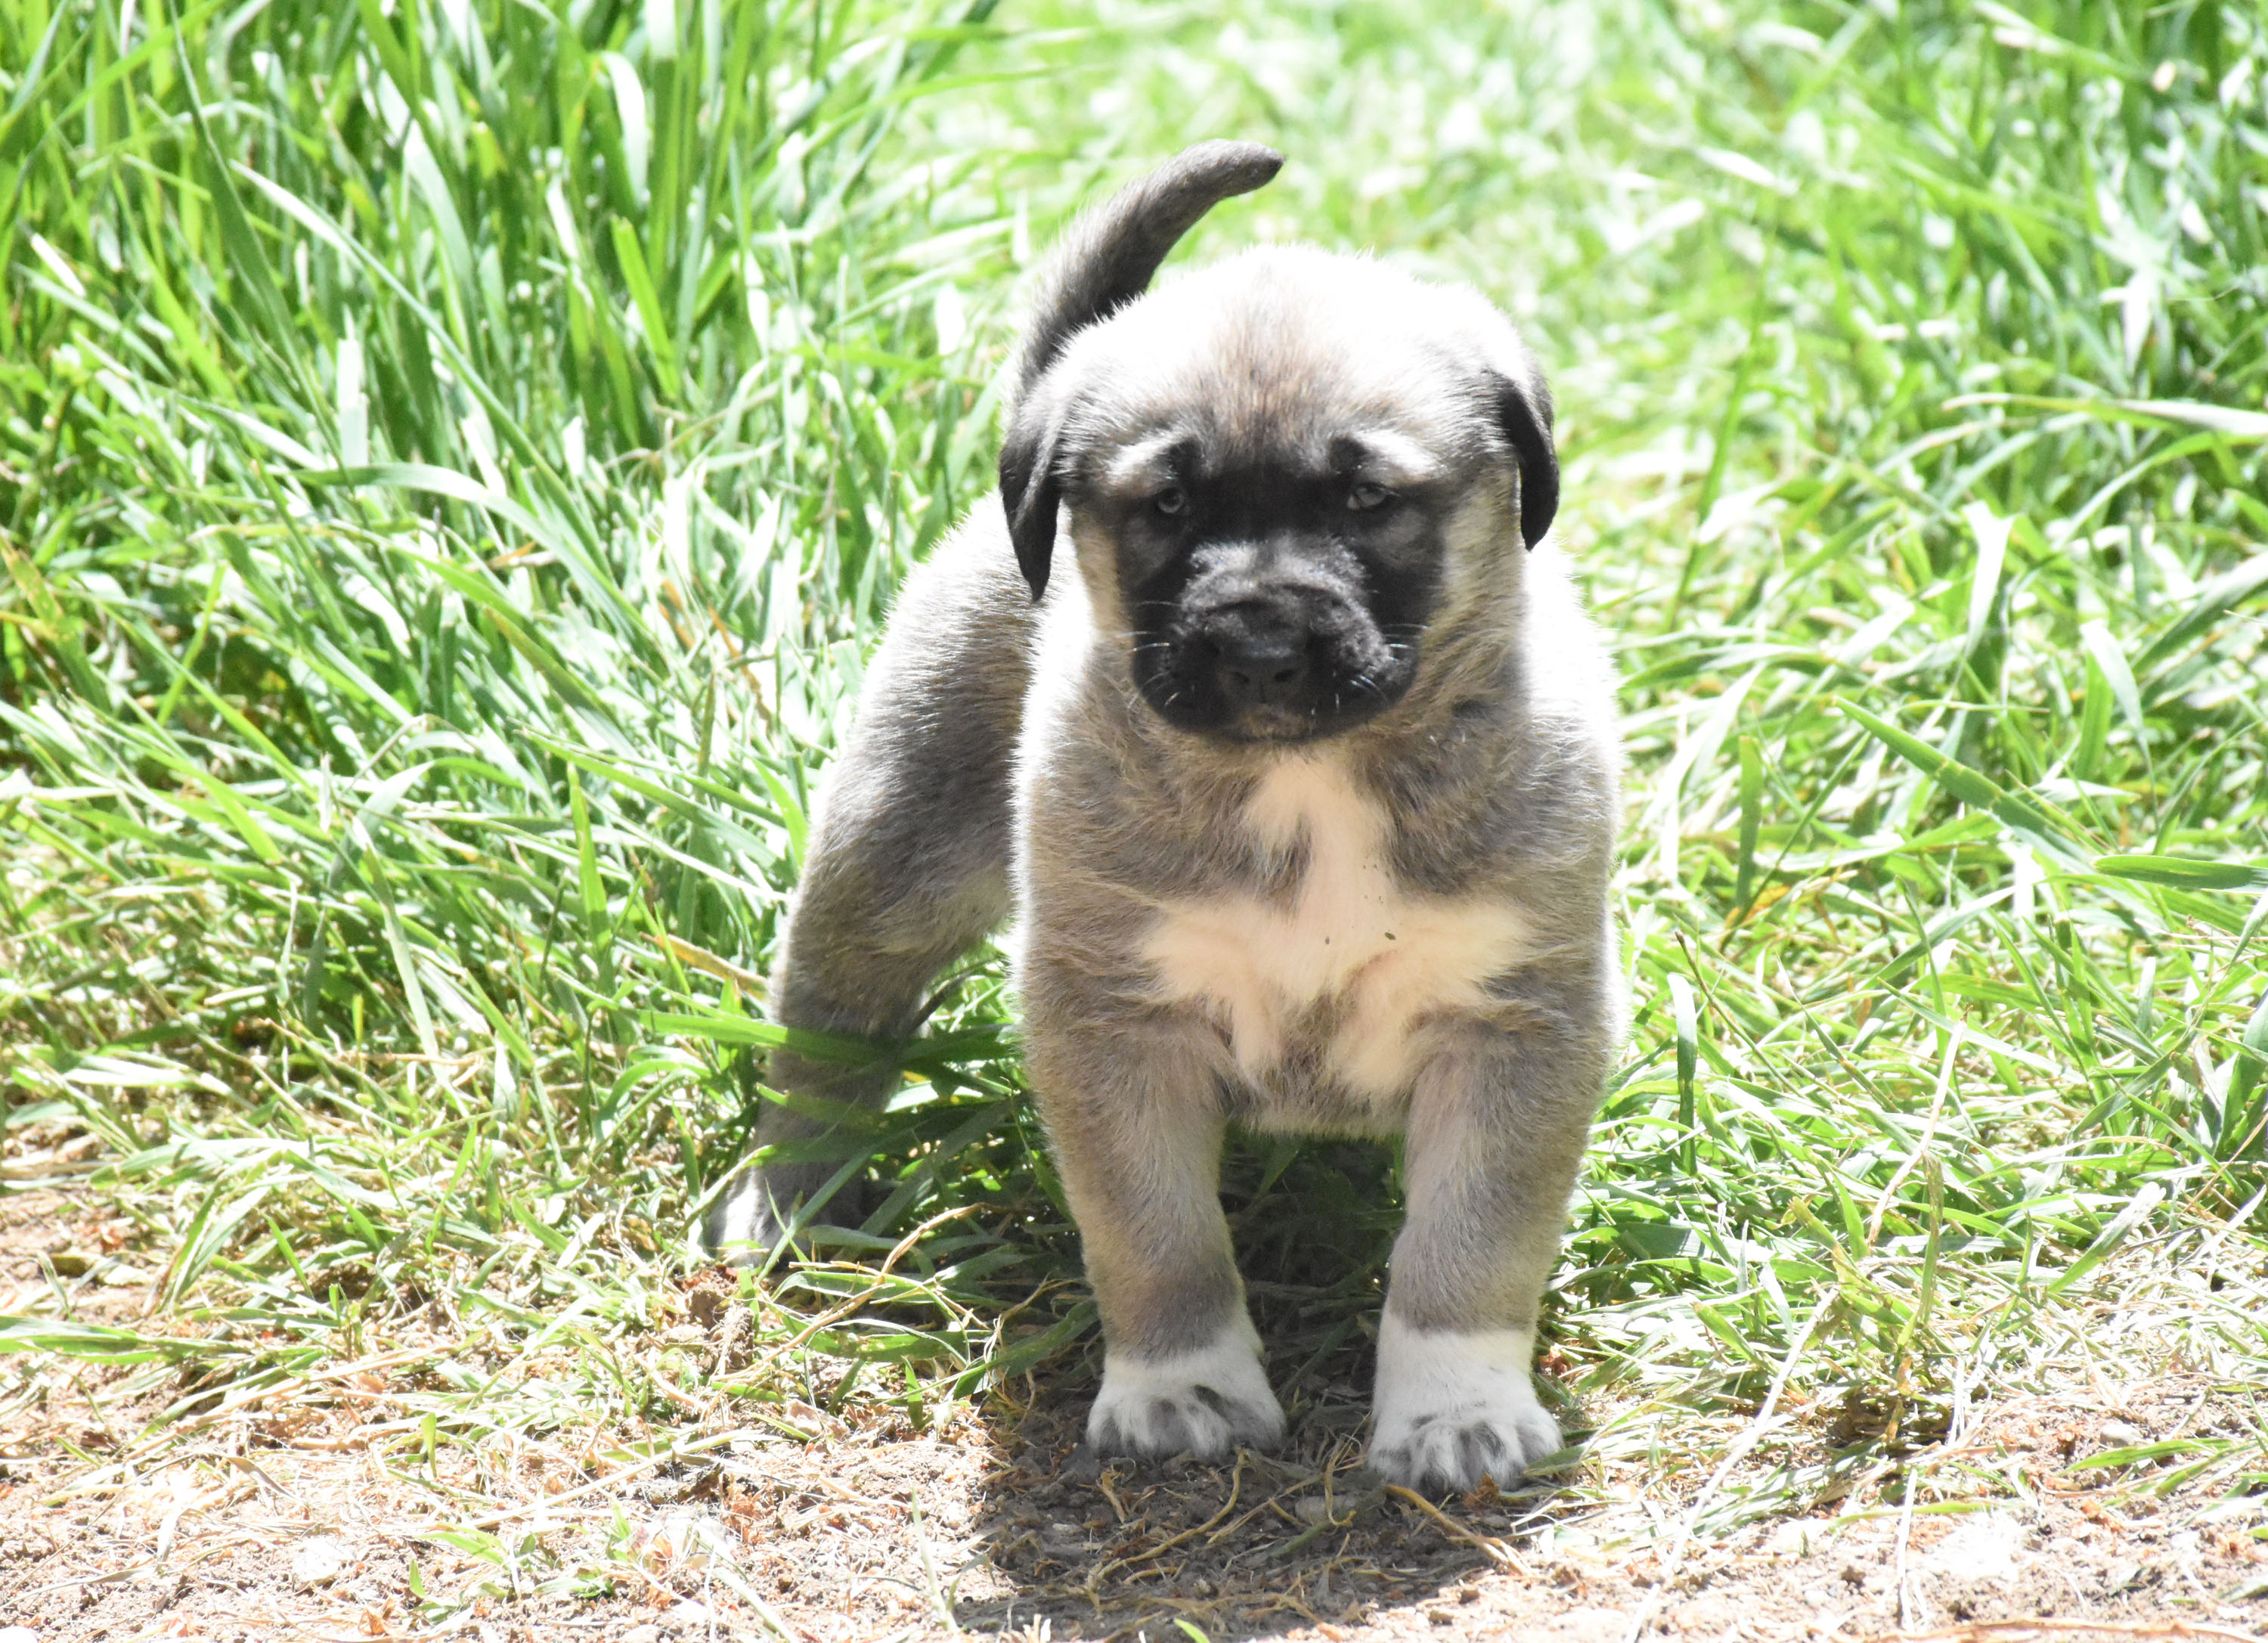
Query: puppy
point(1302, 784)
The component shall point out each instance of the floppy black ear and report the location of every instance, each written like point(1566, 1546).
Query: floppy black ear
point(1524, 414)
point(1104, 263)
point(1030, 494)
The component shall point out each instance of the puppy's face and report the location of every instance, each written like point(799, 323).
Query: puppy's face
point(1278, 475)
point(1277, 594)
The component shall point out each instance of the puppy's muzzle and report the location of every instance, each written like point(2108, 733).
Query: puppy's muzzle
point(1260, 661)
point(1300, 664)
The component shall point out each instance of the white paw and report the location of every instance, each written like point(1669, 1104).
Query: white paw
point(754, 1214)
point(741, 1228)
point(1204, 1403)
point(1452, 1406)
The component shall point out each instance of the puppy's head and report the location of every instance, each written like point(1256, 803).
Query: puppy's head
point(1279, 476)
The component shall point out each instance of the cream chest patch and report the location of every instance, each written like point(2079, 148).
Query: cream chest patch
point(1386, 960)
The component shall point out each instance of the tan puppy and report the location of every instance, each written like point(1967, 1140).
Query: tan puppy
point(1303, 786)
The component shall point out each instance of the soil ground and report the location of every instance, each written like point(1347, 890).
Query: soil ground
point(303, 1514)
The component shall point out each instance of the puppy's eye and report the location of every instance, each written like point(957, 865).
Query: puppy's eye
point(1170, 501)
point(1366, 496)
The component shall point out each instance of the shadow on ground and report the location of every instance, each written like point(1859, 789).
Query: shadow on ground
point(312, 1513)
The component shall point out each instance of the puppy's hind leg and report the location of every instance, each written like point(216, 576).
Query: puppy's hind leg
point(907, 862)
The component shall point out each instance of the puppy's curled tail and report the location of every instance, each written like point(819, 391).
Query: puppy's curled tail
point(1105, 260)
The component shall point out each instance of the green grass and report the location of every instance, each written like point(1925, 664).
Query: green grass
point(452, 459)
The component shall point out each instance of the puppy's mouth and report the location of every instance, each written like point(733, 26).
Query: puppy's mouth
point(1255, 672)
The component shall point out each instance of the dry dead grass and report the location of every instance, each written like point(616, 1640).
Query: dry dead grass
point(300, 1514)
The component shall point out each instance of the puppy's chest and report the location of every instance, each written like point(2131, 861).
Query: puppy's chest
point(1343, 977)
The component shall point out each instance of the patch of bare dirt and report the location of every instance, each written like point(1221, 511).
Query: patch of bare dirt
point(46, 1240)
point(312, 1510)
point(874, 1534)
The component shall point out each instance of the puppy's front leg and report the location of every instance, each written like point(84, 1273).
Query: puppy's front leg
point(1137, 1139)
point(1496, 1128)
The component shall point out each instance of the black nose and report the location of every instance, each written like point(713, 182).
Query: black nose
point(1268, 668)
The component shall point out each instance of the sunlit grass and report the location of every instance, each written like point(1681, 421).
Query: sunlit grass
point(452, 460)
